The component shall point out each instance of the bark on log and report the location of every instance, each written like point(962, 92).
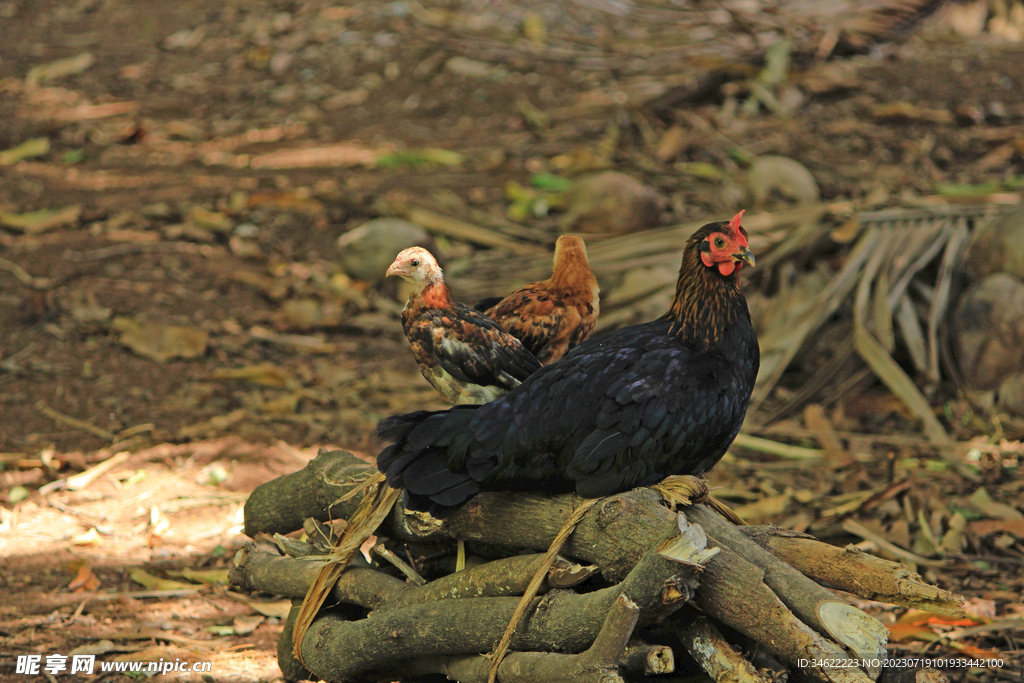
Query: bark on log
point(289, 664)
point(291, 577)
point(732, 590)
point(283, 504)
point(719, 660)
point(862, 634)
point(598, 664)
point(854, 571)
point(618, 535)
point(561, 621)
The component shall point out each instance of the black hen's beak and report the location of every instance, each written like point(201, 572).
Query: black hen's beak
point(745, 255)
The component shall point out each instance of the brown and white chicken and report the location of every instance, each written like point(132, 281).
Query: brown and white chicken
point(464, 354)
point(554, 315)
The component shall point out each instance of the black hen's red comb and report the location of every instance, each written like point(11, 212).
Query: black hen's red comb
point(736, 231)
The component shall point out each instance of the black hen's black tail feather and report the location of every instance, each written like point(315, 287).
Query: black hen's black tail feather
point(397, 427)
point(418, 460)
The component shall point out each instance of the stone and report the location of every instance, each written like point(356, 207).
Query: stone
point(772, 175)
point(988, 331)
point(1011, 393)
point(997, 247)
point(611, 203)
point(367, 251)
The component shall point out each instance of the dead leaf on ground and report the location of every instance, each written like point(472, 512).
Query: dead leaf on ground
point(985, 527)
point(213, 426)
point(672, 143)
point(90, 537)
point(85, 580)
point(264, 374)
point(161, 342)
point(35, 147)
point(772, 174)
point(307, 314)
point(36, 222)
point(905, 111)
point(274, 608)
point(245, 625)
point(144, 578)
point(156, 653)
point(207, 576)
point(212, 220)
point(343, 155)
point(982, 502)
point(765, 509)
point(60, 68)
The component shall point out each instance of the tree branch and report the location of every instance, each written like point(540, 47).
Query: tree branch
point(818, 607)
point(562, 620)
point(854, 571)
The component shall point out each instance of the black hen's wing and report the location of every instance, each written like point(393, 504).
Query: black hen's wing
point(615, 414)
point(620, 411)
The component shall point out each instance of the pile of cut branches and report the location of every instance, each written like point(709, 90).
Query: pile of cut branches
point(638, 583)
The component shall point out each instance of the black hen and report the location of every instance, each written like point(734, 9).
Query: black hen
point(626, 409)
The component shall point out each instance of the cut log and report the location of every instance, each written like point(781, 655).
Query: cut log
point(861, 634)
point(561, 621)
point(630, 537)
point(854, 571)
point(648, 659)
point(262, 572)
point(732, 590)
point(597, 664)
point(716, 656)
point(283, 504)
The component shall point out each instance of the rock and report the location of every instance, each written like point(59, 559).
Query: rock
point(367, 251)
point(997, 247)
point(988, 331)
point(1011, 393)
point(772, 175)
point(611, 202)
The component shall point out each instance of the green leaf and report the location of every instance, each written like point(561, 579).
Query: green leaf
point(981, 190)
point(427, 156)
point(17, 494)
point(550, 182)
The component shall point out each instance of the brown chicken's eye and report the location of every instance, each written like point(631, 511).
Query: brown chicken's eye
point(415, 263)
point(719, 243)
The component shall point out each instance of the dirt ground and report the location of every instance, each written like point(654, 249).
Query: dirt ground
point(175, 205)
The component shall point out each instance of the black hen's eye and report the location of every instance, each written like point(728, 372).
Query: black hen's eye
point(415, 263)
point(719, 243)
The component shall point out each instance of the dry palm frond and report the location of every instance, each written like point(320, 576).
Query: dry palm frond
point(532, 589)
point(378, 499)
point(686, 490)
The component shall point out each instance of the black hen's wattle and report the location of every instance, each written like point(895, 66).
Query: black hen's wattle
point(623, 410)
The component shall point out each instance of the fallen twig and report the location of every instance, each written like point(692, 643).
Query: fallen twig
point(73, 422)
point(22, 275)
point(400, 564)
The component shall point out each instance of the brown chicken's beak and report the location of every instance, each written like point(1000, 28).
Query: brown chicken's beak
point(394, 269)
point(745, 255)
